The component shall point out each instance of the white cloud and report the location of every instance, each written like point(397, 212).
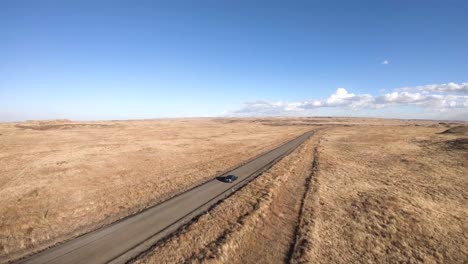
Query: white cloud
point(431, 101)
point(435, 98)
point(385, 62)
point(440, 88)
point(340, 97)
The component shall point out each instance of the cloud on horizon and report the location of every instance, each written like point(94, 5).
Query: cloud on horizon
point(451, 87)
point(444, 100)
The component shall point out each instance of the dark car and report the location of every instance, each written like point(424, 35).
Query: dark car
point(229, 178)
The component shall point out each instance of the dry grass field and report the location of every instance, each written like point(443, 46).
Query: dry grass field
point(385, 192)
point(360, 190)
point(395, 194)
point(59, 179)
point(255, 225)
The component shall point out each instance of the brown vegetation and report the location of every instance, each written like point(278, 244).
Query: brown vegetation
point(360, 190)
point(458, 130)
point(255, 224)
point(389, 194)
point(373, 193)
point(59, 179)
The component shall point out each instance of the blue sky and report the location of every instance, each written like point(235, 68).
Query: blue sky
point(148, 59)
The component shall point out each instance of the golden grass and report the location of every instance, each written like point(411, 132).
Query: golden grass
point(384, 190)
point(59, 179)
point(390, 194)
point(255, 224)
point(379, 193)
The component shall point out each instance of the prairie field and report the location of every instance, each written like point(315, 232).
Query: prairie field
point(59, 179)
point(389, 194)
point(359, 190)
point(379, 192)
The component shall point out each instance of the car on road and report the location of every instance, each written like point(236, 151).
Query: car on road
point(228, 178)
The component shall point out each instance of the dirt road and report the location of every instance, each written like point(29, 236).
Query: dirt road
point(123, 240)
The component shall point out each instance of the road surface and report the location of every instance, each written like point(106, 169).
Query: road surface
point(129, 237)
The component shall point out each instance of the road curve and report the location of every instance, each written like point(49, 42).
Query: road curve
point(129, 237)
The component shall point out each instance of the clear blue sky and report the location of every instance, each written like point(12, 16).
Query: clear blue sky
point(144, 59)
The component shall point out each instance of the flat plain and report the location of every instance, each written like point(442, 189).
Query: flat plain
point(360, 190)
